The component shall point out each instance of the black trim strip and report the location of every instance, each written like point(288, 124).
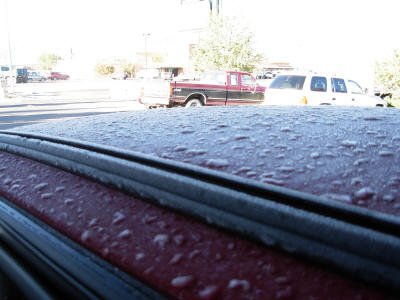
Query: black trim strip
point(71, 269)
point(362, 242)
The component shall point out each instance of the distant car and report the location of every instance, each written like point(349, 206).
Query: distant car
point(318, 89)
point(119, 75)
point(150, 73)
point(58, 75)
point(34, 76)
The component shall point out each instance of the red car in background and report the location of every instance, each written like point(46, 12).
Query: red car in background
point(244, 202)
point(58, 76)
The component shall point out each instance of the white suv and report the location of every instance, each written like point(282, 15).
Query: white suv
point(317, 89)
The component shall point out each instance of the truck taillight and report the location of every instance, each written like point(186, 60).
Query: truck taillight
point(304, 100)
point(170, 90)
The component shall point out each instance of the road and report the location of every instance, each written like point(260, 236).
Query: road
point(42, 102)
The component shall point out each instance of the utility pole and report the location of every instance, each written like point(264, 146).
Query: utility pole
point(9, 48)
point(145, 35)
point(215, 6)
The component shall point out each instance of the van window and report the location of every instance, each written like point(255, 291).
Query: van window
point(338, 85)
point(319, 84)
point(355, 88)
point(288, 82)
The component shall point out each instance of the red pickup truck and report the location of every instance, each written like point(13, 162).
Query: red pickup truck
point(217, 88)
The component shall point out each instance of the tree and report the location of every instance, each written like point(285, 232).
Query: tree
point(128, 68)
point(104, 69)
point(48, 61)
point(226, 46)
point(387, 76)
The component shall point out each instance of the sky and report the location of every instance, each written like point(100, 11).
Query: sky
point(345, 36)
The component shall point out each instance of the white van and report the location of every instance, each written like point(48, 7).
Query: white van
point(318, 89)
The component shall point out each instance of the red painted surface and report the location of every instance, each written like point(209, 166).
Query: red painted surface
point(174, 254)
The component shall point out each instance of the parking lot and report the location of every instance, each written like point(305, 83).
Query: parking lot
point(51, 100)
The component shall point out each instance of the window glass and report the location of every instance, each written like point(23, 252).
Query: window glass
point(288, 82)
point(247, 80)
point(355, 88)
point(214, 78)
point(319, 84)
point(233, 79)
point(338, 85)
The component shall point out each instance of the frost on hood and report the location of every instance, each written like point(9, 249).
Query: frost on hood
point(342, 153)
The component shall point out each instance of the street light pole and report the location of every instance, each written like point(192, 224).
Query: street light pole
point(9, 47)
point(145, 35)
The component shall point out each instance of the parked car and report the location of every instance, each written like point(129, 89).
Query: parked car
point(34, 76)
point(318, 89)
point(149, 73)
point(250, 202)
point(58, 76)
point(217, 88)
point(119, 75)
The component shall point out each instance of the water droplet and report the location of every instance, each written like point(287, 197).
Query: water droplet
point(149, 219)
point(105, 252)
point(389, 198)
point(161, 239)
point(396, 138)
point(179, 239)
point(360, 161)
point(239, 284)
point(139, 256)
point(46, 196)
point(7, 181)
point(32, 177)
point(315, 155)
point(68, 201)
point(209, 292)
point(348, 143)
point(195, 152)
point(40, 186)
point(273, 181)
point(180, 148)
point(118, 218)
point(364, 193)
point(286, 169)
point(182, 281)
point(282, 280)
point(125, 234)
point(187, 131)
point(194, 254)
point(286, 129)
point(241, 137)
point(231, 246)
point(385, 153)
point(60, 189)
point(85, 236)
point(356, 181)
point(222, 141)
point(217, 163)
point(176, 259)
point(338, 197)
point(14, 187)
point(287, 293)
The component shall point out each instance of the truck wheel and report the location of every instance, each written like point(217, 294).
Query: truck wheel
point(193, 103)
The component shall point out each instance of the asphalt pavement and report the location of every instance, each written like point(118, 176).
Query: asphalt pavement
point(32, 103)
